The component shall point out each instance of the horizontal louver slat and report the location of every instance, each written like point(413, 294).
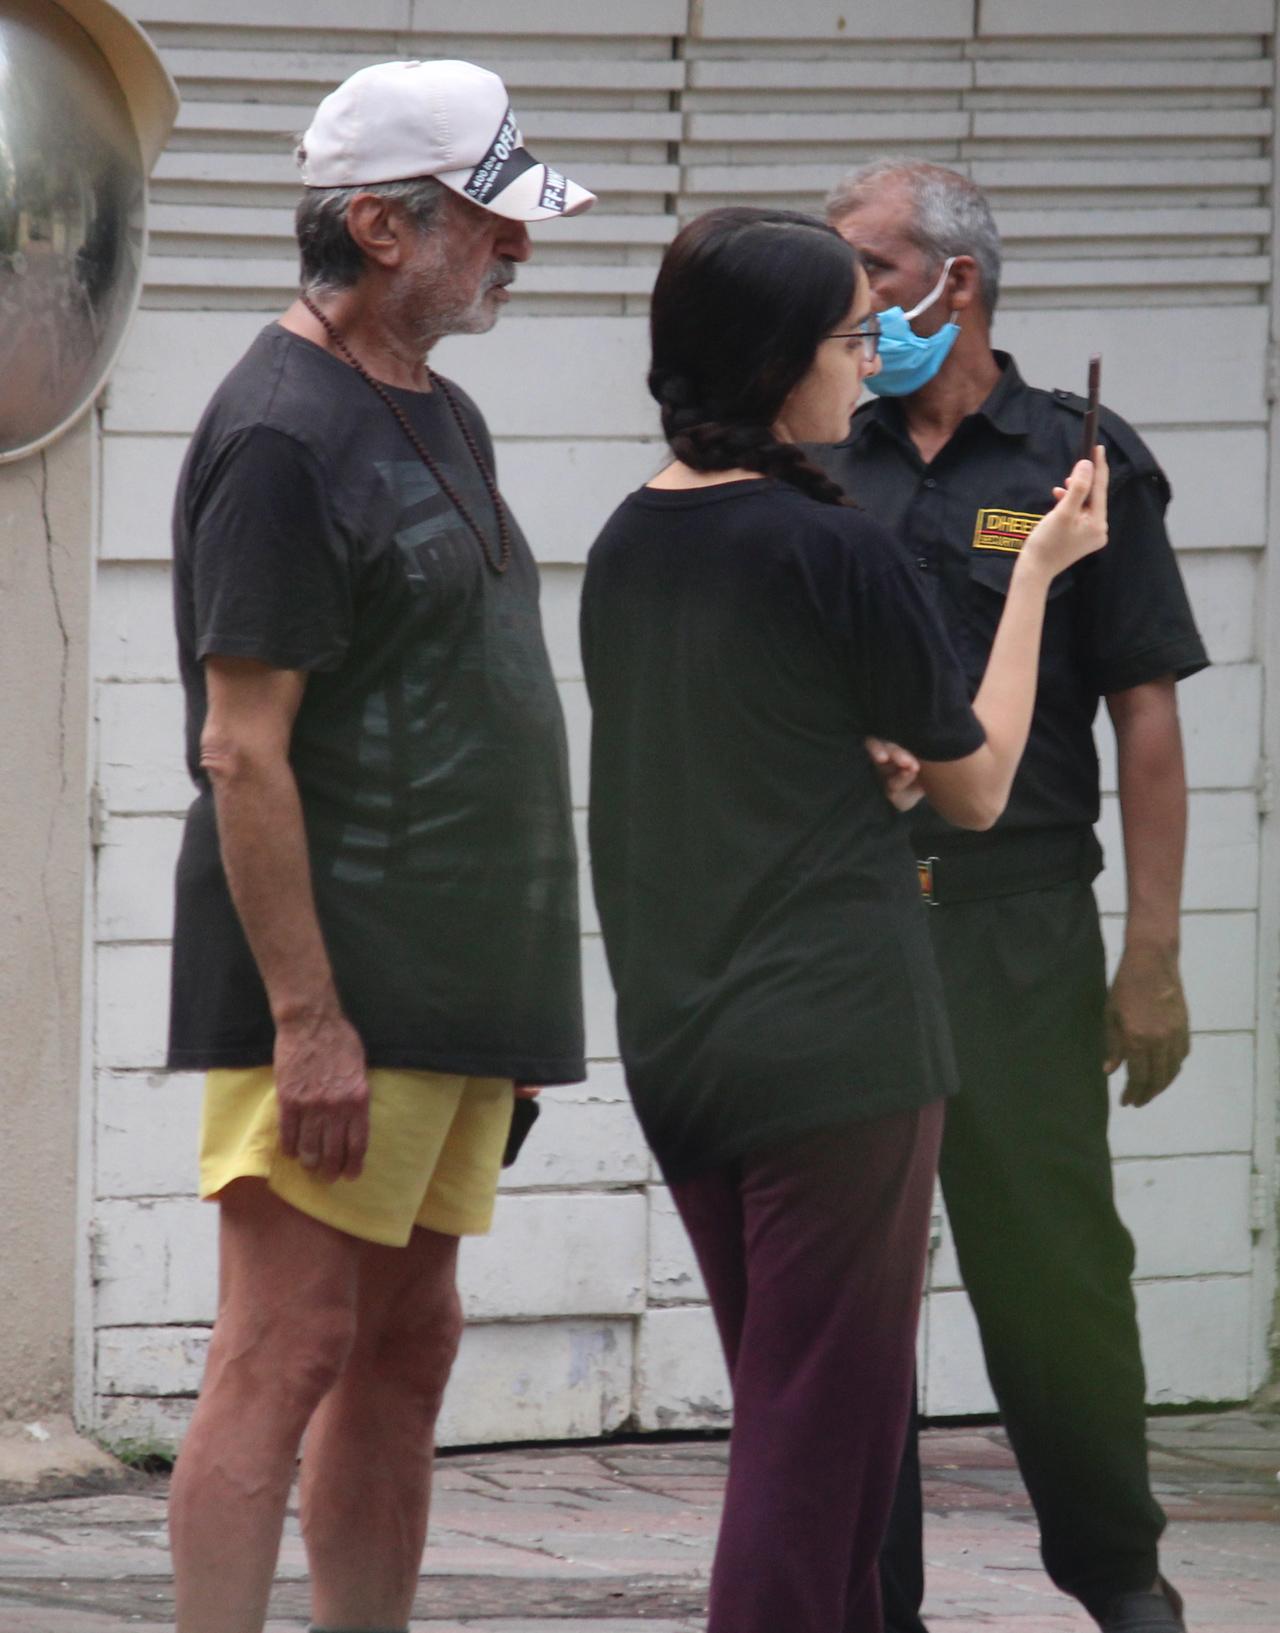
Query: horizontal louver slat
point(1038, 18)
point(280, 278)
point(1122, 162)
point(924, 20)
point(1064, 74)
point(282, 119)
point(321, 70)
point(565, 17)
point(277, 170)
point(1084, 175)
point(594, 89)
point(871, 74)
point(1106, 162)
point(231, 224)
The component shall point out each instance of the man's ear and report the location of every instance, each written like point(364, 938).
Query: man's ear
point(380, 228)
point(964, 285)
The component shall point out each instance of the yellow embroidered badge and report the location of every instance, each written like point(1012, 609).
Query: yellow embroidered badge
point(1003, 530)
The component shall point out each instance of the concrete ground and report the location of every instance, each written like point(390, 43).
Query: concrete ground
point(618, 1538)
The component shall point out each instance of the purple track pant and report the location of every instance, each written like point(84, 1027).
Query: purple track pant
point(813, 1254)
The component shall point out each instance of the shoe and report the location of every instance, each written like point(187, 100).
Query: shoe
point(1152, 1612)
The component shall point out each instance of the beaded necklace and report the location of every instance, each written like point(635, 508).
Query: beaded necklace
point(437, 384)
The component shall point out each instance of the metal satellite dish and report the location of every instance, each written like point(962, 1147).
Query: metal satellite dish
point(85, 107)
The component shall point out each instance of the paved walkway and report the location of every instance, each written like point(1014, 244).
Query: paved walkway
point(618, 1539)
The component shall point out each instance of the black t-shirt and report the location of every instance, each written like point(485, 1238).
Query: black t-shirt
point(1115, 620)
point(757, 892)
point(429, 749)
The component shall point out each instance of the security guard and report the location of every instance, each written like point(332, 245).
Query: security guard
point(959, 457)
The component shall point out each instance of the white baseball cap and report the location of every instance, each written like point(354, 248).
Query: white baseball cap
point(148, 88)
point(446, 119)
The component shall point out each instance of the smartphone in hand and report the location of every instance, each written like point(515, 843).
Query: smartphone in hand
point(524, 1114)
point(1089, 441)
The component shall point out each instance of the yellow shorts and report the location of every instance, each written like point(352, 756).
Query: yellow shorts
point(435, 1152)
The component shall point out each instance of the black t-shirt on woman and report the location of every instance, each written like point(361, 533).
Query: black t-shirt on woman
point(758, 894)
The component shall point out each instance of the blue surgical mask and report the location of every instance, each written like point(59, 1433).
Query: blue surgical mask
point(908, 360)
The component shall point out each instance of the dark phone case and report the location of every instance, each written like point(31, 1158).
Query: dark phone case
point(523, 1116)
point(1089, 438)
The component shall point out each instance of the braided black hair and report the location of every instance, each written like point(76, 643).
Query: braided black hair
point(706, 443)
point(743, 298)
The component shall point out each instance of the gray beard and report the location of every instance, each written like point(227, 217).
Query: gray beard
point(435, 314)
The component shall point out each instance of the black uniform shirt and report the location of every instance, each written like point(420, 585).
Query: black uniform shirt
point(1115, 620)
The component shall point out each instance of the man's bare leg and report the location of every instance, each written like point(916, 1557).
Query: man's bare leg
point(285, 1327)
point(366, 1469)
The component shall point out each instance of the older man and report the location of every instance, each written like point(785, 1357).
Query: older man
point(959, 456)
point(376, 929)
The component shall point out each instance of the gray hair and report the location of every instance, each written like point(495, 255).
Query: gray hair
point(950, 214)
point(331, 258)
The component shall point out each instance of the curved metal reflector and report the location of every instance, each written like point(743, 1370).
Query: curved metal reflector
point(72, 222)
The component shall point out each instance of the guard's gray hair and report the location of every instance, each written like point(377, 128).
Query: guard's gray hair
point(950, 214)
point(331, 258)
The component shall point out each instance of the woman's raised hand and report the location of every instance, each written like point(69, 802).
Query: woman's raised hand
point(1077, 524)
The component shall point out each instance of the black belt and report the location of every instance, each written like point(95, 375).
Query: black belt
point(1011, 864)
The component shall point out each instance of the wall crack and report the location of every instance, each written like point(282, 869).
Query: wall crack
point(64, 665)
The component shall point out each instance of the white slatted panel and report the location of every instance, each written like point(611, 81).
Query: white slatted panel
point(1125, 148)
point(1123, 170)
point(1124, 143)
point(594, 91)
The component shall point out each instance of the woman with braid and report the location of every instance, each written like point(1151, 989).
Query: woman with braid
point(744, 629)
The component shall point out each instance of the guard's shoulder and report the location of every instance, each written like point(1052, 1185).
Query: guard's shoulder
point(865, 416)
point(1126, 451)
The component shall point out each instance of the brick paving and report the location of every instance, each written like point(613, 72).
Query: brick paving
point(617, 1538)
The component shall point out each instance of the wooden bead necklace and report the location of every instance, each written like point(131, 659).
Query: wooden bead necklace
point(438, 383)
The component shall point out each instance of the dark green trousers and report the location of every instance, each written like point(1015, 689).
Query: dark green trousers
point(1026, 1173)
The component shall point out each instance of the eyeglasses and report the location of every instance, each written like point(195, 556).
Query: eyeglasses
point(868, 333)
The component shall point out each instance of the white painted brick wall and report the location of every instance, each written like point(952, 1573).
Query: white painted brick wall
point(135, 877)
point(545, 1380)
point(140, 747)
point(586, 1301)
point(674, 1277)
point(147, 1134)
point(155, 1261)
point(924, 20)
point(1210, 1318)
point(954, 1379)
point(1231, 510)
point(1031, 18)
point(681, 1382)
point(587, 1137)
point(1219, 952)
point(132, 1006)
point(1195, 1339)
point(1188, 1215)
point(1225, 588)
point(1209, 1108)
point(570, 1253)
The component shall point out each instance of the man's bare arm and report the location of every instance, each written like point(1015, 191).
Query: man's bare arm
point(1147, 1022)
point(319, 1059)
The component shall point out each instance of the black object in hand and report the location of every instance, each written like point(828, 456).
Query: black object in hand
point(524, 1115)
point(1090, 438)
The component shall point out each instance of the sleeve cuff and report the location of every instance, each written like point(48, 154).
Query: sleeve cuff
point(1180, 659)
point(954, 745)
point(275, 657)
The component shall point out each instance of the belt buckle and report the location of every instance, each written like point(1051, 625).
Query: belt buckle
point(924, 873)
